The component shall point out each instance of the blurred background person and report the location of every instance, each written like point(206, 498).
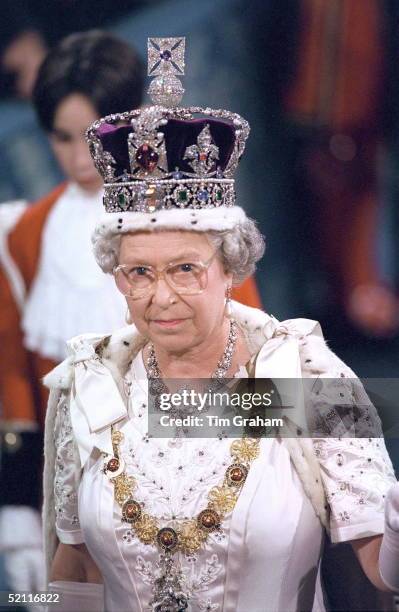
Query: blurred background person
point(30, 28)
point(83, 77)
point(340, 107)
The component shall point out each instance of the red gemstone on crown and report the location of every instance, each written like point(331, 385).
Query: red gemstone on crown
point(147, 158)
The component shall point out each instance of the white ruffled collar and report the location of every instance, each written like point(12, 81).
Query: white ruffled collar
point(70, 294)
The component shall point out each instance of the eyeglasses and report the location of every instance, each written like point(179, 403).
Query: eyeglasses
point(186, 278)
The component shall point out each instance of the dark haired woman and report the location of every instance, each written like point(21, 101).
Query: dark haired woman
point(84, 76)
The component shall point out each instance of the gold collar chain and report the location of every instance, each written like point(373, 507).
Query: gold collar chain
point(188, 535)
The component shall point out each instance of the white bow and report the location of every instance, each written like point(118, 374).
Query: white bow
point(279, 359)
point(96, 402)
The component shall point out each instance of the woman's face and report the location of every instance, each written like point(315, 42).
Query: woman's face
point(176, 322)
point(73, 116)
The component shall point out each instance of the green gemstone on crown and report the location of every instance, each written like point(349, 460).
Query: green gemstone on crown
point(182, 195)
point(219, 195)
point(123, 200)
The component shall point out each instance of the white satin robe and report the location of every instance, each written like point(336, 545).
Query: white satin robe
point(267, 558)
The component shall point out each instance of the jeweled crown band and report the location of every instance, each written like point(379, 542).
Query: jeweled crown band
point(144, 196)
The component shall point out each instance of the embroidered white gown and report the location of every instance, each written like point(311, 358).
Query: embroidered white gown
point(267, 557)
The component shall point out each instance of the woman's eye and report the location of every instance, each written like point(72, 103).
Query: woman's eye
point(61, 137)
point(139, 271)
point(186, 267)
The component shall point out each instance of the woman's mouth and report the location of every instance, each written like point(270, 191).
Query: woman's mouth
point(168, 322)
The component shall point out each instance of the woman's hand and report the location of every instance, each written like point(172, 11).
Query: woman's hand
point(72, 562)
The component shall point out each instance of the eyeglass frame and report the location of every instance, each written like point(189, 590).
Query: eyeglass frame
point(161, 274)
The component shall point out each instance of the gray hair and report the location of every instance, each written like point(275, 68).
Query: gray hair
point(240, 248)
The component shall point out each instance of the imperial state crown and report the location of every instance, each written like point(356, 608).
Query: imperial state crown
point(166, 157)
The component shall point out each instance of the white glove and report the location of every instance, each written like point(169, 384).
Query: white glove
point(21, 547)
point(76, 597)
point(389, 552)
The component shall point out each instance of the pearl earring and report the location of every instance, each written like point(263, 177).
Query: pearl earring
point(227, 308)
point(128, 318)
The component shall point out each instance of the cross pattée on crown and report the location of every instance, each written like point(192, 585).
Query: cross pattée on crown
point(166, 56)
point(166, 64)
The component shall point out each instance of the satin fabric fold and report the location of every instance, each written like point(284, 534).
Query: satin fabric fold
point(96, 402)
point(279, 360)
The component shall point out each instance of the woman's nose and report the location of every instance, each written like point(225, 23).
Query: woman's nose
point(162, 292)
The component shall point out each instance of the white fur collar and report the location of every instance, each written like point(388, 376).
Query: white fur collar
point(118, 349)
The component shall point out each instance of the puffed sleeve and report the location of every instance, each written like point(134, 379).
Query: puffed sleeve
point(67, 478)
point(355, 467)
point(356, 475)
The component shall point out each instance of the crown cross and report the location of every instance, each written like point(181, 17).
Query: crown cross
point(166, 63)
point(166, 56)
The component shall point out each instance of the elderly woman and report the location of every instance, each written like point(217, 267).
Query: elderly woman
point(173, 524)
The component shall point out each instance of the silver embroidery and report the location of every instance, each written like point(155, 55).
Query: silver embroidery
point(66, 472)
point(195, 582)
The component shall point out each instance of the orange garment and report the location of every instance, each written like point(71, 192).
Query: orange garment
point(22, 395)
point(247, 293)
point(337, 92)
point(340, 64)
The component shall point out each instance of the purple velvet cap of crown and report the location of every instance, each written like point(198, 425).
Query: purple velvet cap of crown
point(179, 134)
